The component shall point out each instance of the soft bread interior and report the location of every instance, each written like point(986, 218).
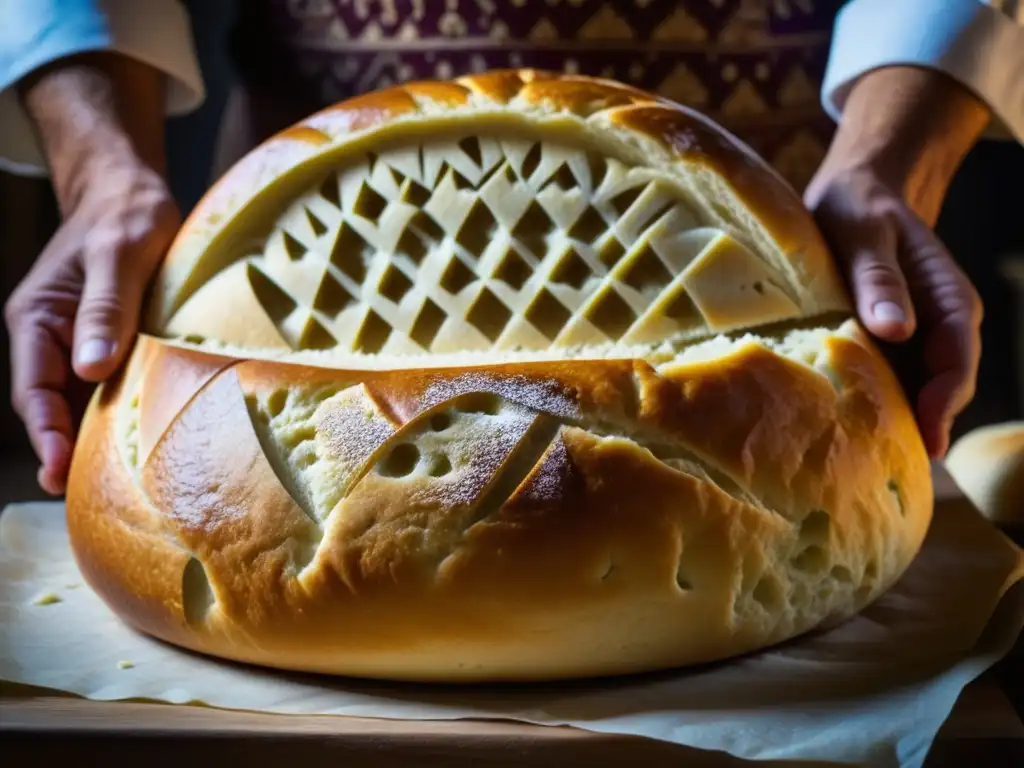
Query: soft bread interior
point(317, 469)
point(502, 241)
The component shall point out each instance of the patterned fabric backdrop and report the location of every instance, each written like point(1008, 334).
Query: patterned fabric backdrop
point(753, 65)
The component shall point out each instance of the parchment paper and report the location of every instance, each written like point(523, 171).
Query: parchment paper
point(872, 692)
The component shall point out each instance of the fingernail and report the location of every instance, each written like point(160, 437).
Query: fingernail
point(94, 351)
point(889, 312)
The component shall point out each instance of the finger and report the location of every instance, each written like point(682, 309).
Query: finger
point(940, 288)
point(39, 375)
point(107, 316)
point(952, 312)
point(952, 355)
point(867, 248)
point(880, 290)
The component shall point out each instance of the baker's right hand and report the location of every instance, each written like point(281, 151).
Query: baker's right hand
point(75, 315)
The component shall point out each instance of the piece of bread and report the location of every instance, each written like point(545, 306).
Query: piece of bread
point(987, 464)
point(515, 377)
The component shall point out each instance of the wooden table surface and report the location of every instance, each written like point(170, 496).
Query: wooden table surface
point(985, 729)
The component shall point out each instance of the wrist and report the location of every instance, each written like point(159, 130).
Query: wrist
point(95, 114)
point(912, 128)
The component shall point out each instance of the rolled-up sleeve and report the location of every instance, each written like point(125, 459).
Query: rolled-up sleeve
point(34, 33)
point(979, 43)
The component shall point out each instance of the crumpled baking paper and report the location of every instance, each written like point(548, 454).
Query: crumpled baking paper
point(873, 691)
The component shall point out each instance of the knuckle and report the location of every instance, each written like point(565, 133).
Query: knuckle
point(880, 275)
point(21, 401)
point(14, 310)
point(18, 402)
point(105, 310)
point(20, 311)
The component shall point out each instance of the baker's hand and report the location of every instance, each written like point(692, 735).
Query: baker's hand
point(76, 313)
point(100, 120)
point(905, 284)
point(901, 137)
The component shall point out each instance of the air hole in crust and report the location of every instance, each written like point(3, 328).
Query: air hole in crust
point(196, 593)
point(257, 413)
point(842, 574)
point(303, 434)
point(439, 422)
point(481, 402)
point(325, 393)
point(768, 593)
point(276, 401)
point(440, 465)
point(401, 461)
point(894, 488)
point(815, 527)
point(812, 560)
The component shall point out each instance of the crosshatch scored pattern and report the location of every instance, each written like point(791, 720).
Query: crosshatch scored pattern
point(494, 243)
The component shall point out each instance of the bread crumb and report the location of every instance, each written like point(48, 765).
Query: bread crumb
point(48, 599)
point(124, 664)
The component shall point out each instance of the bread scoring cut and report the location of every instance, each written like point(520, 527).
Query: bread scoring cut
point(516, 377)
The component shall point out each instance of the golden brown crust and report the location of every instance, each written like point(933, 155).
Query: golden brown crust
point(577, 510)
point(654, 130)
point(987, 464)
point(778, 496)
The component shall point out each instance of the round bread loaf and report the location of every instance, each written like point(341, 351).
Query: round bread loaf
point(514, 377)
point(987, 464)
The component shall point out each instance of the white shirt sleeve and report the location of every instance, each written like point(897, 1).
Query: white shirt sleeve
point(979, 43)
point(36, 32)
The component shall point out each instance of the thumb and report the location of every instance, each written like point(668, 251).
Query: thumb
point(107, 318)
point(880, 288)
